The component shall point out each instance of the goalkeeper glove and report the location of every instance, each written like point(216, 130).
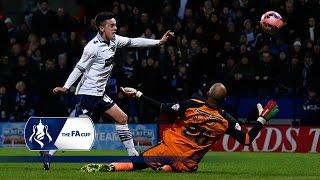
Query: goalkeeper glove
point(268, 112)
point(131, 92)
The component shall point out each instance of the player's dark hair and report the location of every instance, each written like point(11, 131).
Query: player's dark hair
point(101, 17)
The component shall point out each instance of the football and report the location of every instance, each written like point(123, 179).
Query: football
point(271, 22)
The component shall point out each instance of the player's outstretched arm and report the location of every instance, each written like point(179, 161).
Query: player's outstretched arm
point(60, 90)
point(132, 92)
point(265, 114)
point(163, 107)
point(169, 34)
point(84, 64)
point(75, 74)
point(143, 42)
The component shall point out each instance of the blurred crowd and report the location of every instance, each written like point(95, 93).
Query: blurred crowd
point(215, 40)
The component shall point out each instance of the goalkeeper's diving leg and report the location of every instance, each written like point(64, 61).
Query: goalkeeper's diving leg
point(121, 166)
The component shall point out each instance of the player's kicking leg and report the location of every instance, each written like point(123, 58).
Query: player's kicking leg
point(122, 128)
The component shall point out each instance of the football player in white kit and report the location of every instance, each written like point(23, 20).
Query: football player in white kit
point(96, 65)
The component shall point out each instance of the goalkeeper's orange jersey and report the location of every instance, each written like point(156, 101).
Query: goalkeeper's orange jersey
point(199, 126)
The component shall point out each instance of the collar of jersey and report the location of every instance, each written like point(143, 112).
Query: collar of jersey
point(100, 38)
point(213, 107)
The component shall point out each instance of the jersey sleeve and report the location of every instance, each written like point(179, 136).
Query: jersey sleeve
point(170, 108)
point(84, 64)
point(86, 59)
point(179, 107)
point(234, 130)
point(75, 74)
point(122, 41)
point(135, 42)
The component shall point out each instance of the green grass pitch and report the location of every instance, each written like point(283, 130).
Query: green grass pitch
point(215, 165)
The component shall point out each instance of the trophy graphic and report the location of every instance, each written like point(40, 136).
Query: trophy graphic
point(39, 132)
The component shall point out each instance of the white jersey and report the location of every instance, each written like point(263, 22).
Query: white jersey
point(96, 62)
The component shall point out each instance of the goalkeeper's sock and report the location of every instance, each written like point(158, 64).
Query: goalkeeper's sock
point(126, 138)
point(165, 168)
point(52, 152)
point(123, 166)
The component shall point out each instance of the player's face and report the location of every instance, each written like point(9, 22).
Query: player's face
point(109, 29)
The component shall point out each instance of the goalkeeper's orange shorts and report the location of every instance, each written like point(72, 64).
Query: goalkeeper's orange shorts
point(160, 155)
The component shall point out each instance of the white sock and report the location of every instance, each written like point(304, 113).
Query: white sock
point(130, 147)
point(52, 152)
point(128, 144)
point(126, 138)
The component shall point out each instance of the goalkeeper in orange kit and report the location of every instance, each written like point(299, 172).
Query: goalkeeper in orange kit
point(199, 126)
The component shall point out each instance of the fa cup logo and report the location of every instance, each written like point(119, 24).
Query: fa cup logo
point(39, 132)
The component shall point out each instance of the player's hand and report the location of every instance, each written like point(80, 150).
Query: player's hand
point(268, 112)
point(169, 34)
point(130, 92)
point(60, 90)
